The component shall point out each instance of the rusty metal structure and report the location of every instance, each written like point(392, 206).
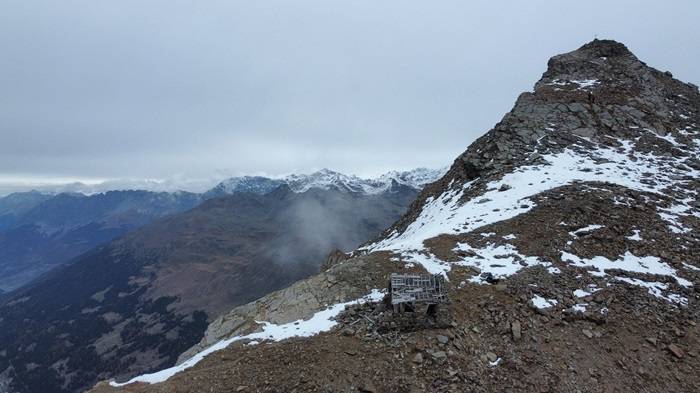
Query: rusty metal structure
point(407, 290)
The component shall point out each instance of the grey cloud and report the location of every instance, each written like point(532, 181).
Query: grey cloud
point(129, 89)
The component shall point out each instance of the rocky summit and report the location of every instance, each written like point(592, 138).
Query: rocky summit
point(569, 234)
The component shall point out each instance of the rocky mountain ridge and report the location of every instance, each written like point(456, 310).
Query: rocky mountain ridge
point(326, 179)
point(569, 234)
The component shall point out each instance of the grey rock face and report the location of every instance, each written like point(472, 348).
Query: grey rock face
point(585, 132)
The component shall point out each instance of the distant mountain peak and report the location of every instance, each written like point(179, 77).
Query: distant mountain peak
point(326, 179)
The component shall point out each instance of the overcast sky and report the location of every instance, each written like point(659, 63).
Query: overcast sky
point(202, 89)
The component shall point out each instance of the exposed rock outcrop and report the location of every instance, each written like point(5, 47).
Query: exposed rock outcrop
point(334, 258)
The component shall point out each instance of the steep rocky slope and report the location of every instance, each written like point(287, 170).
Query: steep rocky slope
point(135, 304)
point(569, 234)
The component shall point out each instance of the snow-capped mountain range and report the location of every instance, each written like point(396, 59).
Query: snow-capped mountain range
point(323, 179)
point(326, 179)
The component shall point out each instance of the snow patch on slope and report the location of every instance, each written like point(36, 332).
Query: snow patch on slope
point(495, 261)
point(581, 84)
point(673, 214)
point(657, 289)
point(581, 231)
point(600, 266)
point(691, 267)
point(445, 214)
point(322, 321)
point(635, 236)
point(629, 262)
point(542, 303)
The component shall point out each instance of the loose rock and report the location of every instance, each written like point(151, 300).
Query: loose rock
point(676, 351)
point(515, 329)
point(418, 358)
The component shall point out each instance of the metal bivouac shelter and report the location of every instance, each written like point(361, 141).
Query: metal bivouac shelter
point(406, 290)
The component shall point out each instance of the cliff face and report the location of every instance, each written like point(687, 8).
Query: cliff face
point(568, 233)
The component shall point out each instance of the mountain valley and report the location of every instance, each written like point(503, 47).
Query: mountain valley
point(135, 303)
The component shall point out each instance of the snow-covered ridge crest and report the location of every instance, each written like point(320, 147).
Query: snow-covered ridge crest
point(327, 179)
